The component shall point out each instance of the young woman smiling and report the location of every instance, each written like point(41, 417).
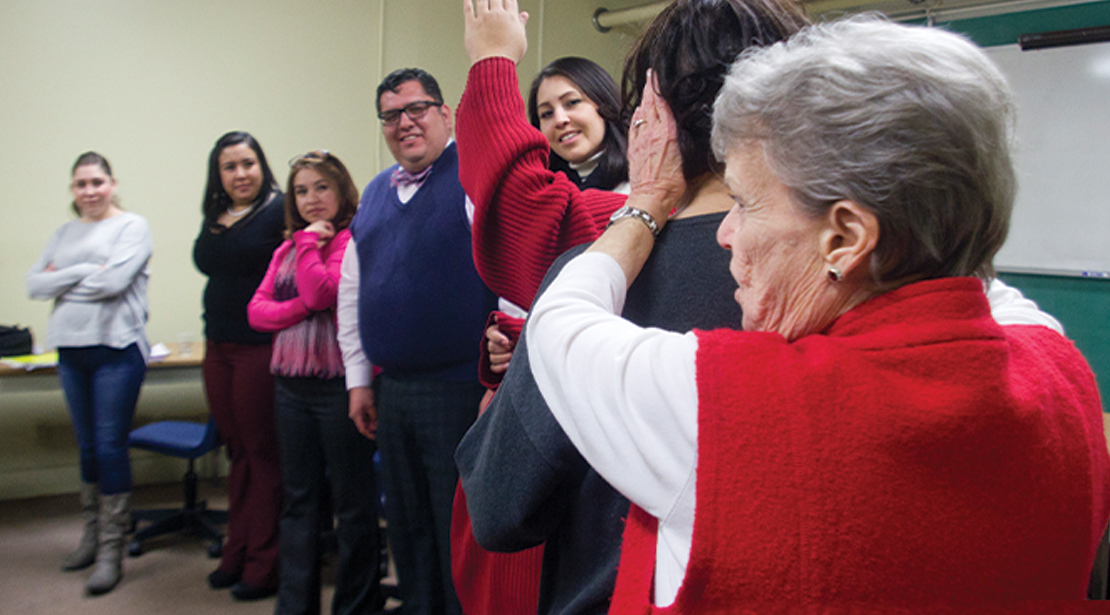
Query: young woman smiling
point(319, 444)
point(95, 270)
point(576, 105)
point(243, 222)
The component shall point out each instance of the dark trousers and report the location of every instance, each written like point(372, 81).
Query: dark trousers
point(320, 443)
point(240, 393)
point(420, 423)
point(101, 387)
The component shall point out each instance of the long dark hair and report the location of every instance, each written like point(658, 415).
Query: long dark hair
point(216, 199)
point(595, 84)
point(332, 168)
point(96, 160)
point(690, 47)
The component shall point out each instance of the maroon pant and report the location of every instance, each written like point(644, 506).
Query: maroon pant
point(240, 394)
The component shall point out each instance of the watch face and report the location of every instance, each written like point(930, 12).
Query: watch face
point(620, 213)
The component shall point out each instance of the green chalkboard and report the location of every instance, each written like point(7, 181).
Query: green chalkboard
point(1082, 305)
point(1005, 29)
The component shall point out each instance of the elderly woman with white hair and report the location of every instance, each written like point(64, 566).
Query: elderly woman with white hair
point(872, 434)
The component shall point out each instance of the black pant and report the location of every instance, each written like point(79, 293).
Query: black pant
point(420, 422)
point(320, 443)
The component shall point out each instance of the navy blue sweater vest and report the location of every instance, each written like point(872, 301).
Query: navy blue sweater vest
point(422, 307)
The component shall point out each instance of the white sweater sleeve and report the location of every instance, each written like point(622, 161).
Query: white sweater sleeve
point(1010, 307)
point(355, 362)
point(626, 396)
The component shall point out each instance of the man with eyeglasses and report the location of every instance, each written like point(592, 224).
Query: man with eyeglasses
point(411, 303)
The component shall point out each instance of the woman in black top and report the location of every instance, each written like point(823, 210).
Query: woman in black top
point(243, 223)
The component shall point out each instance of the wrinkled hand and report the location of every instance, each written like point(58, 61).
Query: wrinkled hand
point(500, 349)
point(654, 162)
point(363, 411)
point(494, 28)
point(324, 232)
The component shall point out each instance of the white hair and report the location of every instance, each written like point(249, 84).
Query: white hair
point(915, 124)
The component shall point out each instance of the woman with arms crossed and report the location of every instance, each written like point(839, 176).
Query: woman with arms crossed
point(95, 271)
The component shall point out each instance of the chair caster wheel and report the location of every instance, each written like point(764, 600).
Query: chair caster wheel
point(216, 549)
point(134, 548)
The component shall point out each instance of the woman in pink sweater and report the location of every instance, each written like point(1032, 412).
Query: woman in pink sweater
point(296, 301)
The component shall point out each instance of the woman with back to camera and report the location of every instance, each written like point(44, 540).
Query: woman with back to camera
point(319, 444)
point(243, 224)
point(95, 270)
point(872, 435)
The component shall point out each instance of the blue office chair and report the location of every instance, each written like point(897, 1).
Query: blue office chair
point(189, 441)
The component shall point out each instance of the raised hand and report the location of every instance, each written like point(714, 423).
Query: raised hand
point(494, 28)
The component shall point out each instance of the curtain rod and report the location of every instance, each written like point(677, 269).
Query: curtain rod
point(605, 20)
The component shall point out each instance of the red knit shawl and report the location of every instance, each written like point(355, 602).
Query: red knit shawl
point(914, 452)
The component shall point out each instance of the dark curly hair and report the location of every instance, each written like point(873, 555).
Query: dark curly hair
point(690, 47)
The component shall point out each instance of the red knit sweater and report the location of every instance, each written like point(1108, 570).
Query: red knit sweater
point(525, 216)
point(915, 452)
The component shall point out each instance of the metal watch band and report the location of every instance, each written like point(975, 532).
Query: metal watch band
point(639, 214)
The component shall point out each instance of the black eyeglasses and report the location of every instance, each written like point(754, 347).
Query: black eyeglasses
point(415, 111)
point(319, 155)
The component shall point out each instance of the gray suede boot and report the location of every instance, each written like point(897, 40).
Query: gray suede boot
point(115, 518)
point(85, 553)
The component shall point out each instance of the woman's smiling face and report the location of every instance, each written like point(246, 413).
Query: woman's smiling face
point(569, 120)
point(240, 173)
point(92, 191)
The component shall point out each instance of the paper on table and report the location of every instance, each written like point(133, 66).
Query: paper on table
point(32, 362)
point(158, 352)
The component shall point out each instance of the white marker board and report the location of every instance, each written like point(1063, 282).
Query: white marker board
point(1061, 220)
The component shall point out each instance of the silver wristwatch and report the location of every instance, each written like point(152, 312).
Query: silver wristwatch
point(639, 214)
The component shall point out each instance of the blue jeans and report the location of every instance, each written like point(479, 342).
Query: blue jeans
point(101, 387)
point(319, 443)
point(420, 422)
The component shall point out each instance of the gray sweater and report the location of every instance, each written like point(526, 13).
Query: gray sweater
point(525, 483)
point(98, 284)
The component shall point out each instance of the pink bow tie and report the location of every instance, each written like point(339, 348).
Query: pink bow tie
point(401, 177)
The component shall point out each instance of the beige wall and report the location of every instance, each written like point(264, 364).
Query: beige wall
point(151, 84)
